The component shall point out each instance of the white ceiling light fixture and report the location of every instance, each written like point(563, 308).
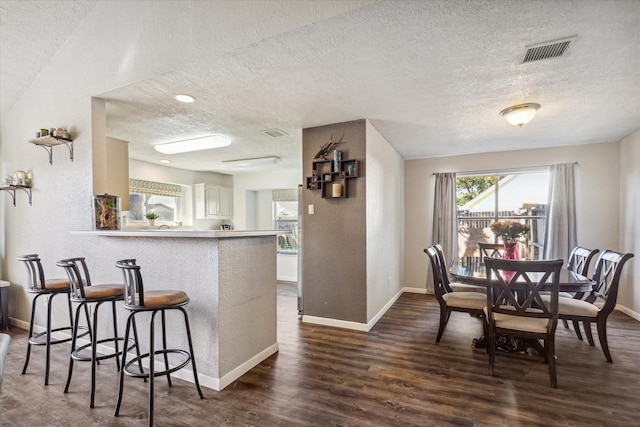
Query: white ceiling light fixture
point(165, 161)
point(193, 144)
point(251, 163)
point(187, 99)
point(520, 114)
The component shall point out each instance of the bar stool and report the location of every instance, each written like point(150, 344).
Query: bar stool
point(84, 293)
point(137, 300)
point(48, 288)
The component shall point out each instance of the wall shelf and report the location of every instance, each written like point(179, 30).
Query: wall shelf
point(324, 177)
point(48, 142)
point(11, 189)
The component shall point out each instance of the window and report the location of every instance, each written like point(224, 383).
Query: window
point(148, 196)
point(483, 199)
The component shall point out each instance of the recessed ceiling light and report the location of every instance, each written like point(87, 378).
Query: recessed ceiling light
point(185, 98)
point(193, 144)
point(165, 161)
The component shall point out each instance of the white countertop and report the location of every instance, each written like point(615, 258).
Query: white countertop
point(210, 234)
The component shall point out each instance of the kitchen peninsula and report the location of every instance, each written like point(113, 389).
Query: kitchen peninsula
point(230, 277)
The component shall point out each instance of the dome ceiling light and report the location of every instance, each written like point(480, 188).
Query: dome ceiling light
point(520, 114)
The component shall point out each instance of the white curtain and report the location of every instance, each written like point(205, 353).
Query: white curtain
point(560, 231)
point(445, 219)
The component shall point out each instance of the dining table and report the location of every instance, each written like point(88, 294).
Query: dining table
point(475, 274)
point(568, 281)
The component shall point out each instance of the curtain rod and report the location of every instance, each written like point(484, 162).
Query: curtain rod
point(503, 171)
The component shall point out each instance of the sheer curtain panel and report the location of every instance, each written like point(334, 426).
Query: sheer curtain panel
point(445, 217)
point(560, 231)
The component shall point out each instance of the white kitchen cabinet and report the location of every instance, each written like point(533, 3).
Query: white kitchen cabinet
point(213, 201)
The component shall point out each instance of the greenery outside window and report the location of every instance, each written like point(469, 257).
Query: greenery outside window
point(501, 195)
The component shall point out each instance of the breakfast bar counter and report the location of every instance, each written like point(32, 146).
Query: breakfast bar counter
point(230, 277)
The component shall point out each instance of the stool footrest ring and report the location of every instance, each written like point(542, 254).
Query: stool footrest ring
point(35, 339)
point(166, 371)
point(75, 355)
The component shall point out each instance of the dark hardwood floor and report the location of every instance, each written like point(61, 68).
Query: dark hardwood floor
point(395, 375)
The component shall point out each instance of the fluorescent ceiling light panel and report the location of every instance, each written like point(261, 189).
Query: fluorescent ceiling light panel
point(188, 99)
point(251, 163)
point(194, 144)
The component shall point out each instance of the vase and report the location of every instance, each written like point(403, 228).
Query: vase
point(152, 222)
point(510, 250)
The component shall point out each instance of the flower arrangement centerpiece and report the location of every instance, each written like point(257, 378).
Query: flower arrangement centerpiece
point(510, 231)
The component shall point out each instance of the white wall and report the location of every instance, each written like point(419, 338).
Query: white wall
point(255, 182)
point(153, 172)
point(629, 296)
point(385, 228)
point(597, 195)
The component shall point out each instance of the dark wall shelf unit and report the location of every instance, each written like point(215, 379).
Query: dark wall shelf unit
point(48, 142)
point(325, 176)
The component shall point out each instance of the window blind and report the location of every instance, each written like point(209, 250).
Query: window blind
point(154, 188)
point(285, 195)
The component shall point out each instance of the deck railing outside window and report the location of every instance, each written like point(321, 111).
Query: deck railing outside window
point(474, 227)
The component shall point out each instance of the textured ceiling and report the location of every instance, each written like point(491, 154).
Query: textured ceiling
point(431, 76)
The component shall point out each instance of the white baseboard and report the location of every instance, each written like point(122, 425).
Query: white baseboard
point(628, 312)
point(345, 324)
point(356, 326)
point(186, 374)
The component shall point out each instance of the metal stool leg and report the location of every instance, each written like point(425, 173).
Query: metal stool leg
point(151, 365)
point(193, 359)
point(31, 321)
point(164, 347)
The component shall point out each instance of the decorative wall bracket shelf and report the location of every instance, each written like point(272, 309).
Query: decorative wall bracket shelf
point(325, 175)
point(48, 142)
point(11, 189)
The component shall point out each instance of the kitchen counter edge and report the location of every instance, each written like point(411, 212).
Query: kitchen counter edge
point(209, 234)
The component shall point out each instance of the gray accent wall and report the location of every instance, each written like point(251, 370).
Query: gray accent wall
point(335, 245)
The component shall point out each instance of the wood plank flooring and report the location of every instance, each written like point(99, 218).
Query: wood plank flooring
point(395, 375)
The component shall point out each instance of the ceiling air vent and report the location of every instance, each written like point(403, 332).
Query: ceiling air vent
point(275, 133)
point(547, 50)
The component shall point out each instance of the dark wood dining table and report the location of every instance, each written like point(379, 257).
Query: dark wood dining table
point(476, 274)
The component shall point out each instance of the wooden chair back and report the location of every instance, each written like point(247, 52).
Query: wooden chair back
point(444, 272)
point(490, 250)
point(607, 277)
point(580, 259)
point(439, 286)
point(515, 288)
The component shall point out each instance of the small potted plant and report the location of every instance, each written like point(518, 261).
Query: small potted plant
point(151, 218)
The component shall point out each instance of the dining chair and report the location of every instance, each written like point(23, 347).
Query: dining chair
point(454, 286)
point(515, 306)
point(579, 261)
point(467, 302)
point(491, 250)
point(600, 302)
